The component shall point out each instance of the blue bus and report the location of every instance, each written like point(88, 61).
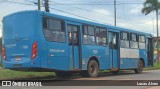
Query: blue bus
point(40, 41)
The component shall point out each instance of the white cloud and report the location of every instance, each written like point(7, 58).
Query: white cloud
point(136, 9)
point(103, 11)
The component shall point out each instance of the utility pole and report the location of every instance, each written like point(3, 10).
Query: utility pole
point(115, 14)
point(158, 56)
point(39, 5)
point(46, 5)
point(153, 26)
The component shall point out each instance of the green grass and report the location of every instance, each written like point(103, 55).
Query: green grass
point(156, 66)
point(11, 74)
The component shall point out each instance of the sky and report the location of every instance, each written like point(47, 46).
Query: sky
point(102, 11)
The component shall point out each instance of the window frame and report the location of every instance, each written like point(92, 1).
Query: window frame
point(128, 36)
point(99, 28)
point(139, 38)
point(63, 27)
point(141, 41)
point(83, 33)
point(131, 39)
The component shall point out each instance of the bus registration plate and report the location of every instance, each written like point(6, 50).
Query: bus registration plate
point(18, 58)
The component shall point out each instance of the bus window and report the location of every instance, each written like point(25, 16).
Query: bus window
point(112, 40)
point(97, 36)
point(54, 30)
point(72, 34)
point(124, 36)
point(142, 44)
point(88, 35)
point(54, 24)
point(44, 22)
point(103, 35)
point(69, 33)
point(75, 34)
point(133, 41)
point(141, 38)
point(133, 37)
point(124, 40)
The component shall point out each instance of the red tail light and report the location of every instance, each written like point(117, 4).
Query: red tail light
point(4, 53)
point(34, 50)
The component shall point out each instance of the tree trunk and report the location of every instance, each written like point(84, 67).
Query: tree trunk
point(158, 59)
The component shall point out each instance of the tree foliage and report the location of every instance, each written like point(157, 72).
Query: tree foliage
point(150, 6)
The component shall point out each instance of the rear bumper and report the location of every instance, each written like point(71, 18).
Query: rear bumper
point(22, 64)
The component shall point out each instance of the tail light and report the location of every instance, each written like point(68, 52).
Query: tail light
point(34, 50)
point(4, 53)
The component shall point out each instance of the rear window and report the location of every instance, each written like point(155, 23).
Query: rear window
point(54, 29)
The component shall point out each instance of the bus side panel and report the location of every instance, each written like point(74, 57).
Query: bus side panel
point(100, 52)
point(57, 56)
point(104, 62)
point(143, 54)
point(129, 58)
point(42, 44)
point(37, 62)
point(128, 63)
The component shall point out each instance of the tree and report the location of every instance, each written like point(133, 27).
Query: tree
point(153, 6)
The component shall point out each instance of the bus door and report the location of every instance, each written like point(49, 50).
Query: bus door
point(74, 46)
point(113, 49)
point(150, 52)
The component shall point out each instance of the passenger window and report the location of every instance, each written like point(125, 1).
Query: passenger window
point(103, 35)
point(88, 35)
point(97, 36)
point(54, 30)
point(141, 38)
point(44, 22)
point(54, 24)
point(133, 37)
point(124, 40)
point(112, 40)
point(75, 34)
point(142, 44)
point(69, 33)
point(133, 41)
point(124, 36)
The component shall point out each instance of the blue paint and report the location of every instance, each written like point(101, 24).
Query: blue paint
point(22, 29)
point(128, 63)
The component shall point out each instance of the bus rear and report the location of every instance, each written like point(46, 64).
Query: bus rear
point(19, 43)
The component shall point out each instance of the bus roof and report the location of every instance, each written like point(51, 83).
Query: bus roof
point(81, 21)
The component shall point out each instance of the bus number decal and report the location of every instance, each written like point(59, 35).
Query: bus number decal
point(95, 51)
point(57, 50)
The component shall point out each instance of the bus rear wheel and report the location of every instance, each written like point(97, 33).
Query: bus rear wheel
point(92, 69)
point(139, 68)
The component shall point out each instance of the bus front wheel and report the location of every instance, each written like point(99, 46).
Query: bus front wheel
point(140, 67)
point(92, 69)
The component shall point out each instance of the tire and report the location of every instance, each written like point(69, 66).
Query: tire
point(63, 74)
point(92, 69)
point(139, 68)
